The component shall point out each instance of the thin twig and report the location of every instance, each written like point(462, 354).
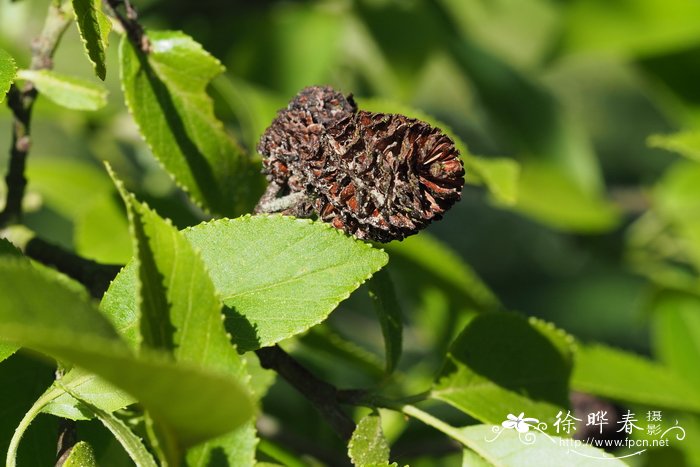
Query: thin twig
point(130, 22)
point(21, 103)
point(321, 394)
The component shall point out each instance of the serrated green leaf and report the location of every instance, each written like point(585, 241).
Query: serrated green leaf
point(502, 364)
point(509, 449)
point(166, 94)
point(500, 175)
point(388, 310)
point(7, 249)
point(505, 447)
point(368, 446)
point(81, 455)
point(78, 387)
point(94, 27)
point(131, 443)
point(67, 91)
point(195, 404)
point(676, 333)
point(177, 294)
point(8, 70)
point(277, 275)
point(631, 378)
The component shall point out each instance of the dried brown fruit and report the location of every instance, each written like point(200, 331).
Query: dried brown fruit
point(377, 176)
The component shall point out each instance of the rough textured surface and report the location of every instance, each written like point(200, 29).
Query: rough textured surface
point(377, 176)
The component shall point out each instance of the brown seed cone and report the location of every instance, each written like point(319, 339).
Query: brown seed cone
point(384, 177)
point(295, 134)
point(376, 176)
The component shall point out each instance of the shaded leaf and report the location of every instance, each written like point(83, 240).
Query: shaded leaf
point(194, 403)
point(509, 449)
point(676, 333)
point(386, 305)
point(426, 252)
point(278, 276)
point(368, 447)
point(94, 27)
point(501, 363)
point(166, 94)
point(67, 91)
point(8, 69)
point(631, 378)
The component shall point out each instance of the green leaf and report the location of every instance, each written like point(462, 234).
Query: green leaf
point(94, 27)
point(166, 94)
point(500, 175)
point(81, 455)
point(685, 143)
point(551, 196)
point(386, 305)
point(131, 443)
point(676, 333)
point(368, 447)
point(592, 26)
point(23, 381)
point(67, 91)
point(67, 396)
point(8, 69)
point(194, 403)
point(501, 364)
point(7, 249)
point(630, 378)
point(278, 276)
point(179, 301)
point(508, 448)
point(427, 253)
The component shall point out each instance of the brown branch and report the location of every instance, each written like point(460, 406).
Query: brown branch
point(21, 103)
point(321, 394)
point(129, 20)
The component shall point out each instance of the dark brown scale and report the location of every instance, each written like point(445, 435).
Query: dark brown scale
point(377, 176)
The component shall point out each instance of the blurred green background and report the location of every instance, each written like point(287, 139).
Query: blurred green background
point(601, 222)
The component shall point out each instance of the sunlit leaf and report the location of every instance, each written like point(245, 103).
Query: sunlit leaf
point(81, 455)
point(271, 274)
point(501, 363)
point(166, 94)
point(94, 27)
point(67, 91)
point(8, 69)
point(368, 447)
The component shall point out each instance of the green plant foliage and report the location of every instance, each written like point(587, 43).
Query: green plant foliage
point(165, 92)
point(82, 336)
point(541, 449)
point(630, 378)
point(386, 305)
point(685, 143)
point(67, 91)
point(436, 259)
point(94, 27)
point(8, 69)
point(499, 364)
point(677, 333)
point(272, 289)
point(81, 455)
point(368, 447)
point(181, 313)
